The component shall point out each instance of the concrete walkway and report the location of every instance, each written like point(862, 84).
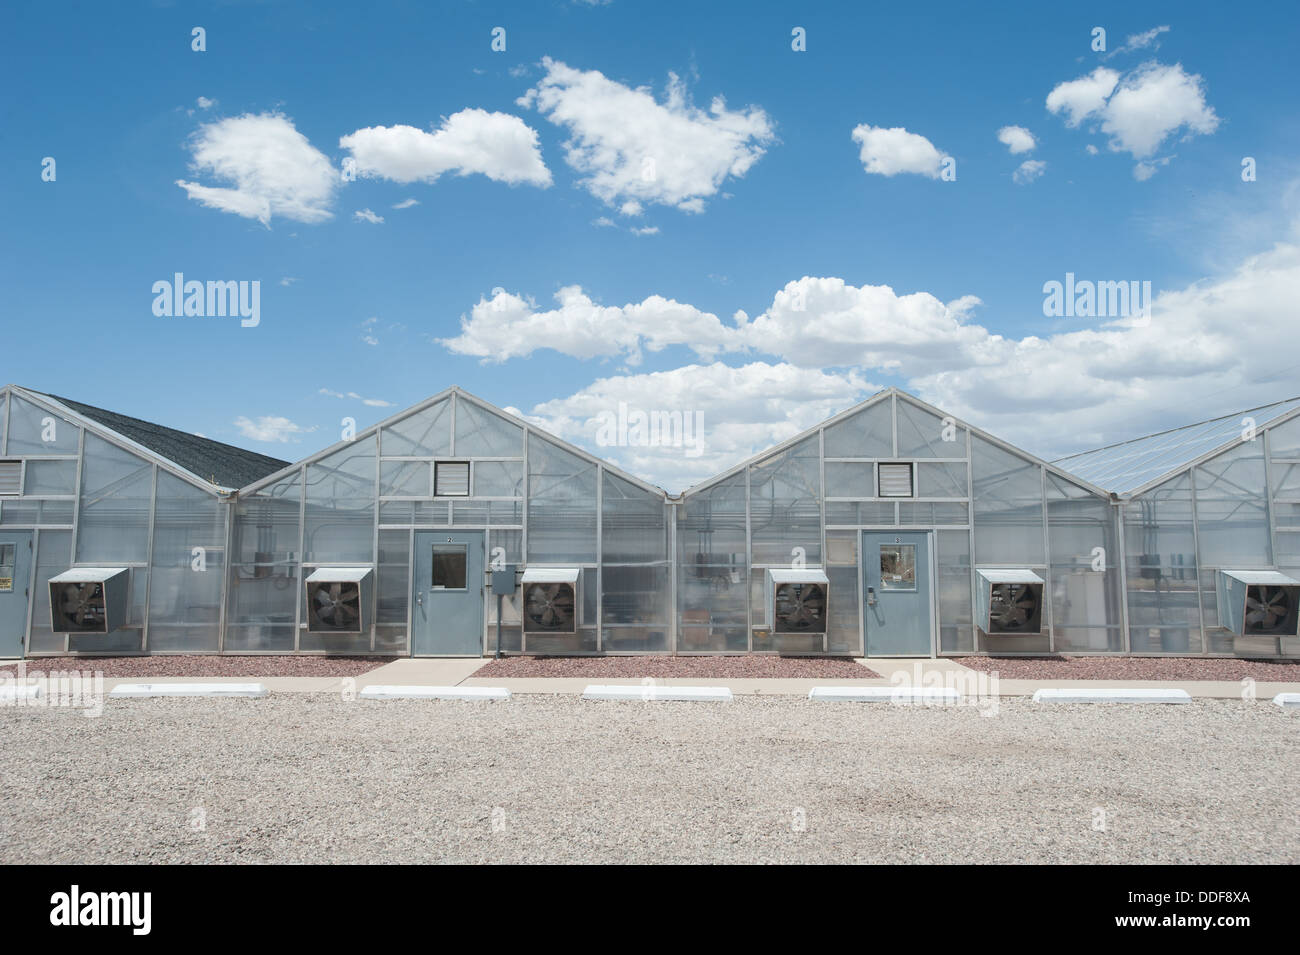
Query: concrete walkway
point(893, 672)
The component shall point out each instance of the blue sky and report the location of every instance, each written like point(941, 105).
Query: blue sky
point(768, 195)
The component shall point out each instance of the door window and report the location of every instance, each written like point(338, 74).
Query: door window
point(898, 566)
point(7, 552)
point(449, 562)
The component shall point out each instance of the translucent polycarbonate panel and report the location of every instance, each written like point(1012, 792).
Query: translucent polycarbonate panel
point(634, 523)
point(471, 513)
point(50, 477)
point(332, 642)
point(266, 523)
point(925, 435)
point(498, 478)
point(589, 584)
point(923, 513)
point(403, 512)
point(713, 569)
point(952, 554)
point(116, 489)
point(867, 434)
point(842, 635)
point(1125, 467)
point(1232, 508)
point(53, 556)
point(1284, 439)
point(1160, 557)
point(340, 513)
point(1288, 548)
point(636, 597)
point(505, 513)
point(635, 640)
point(1285, 477)
point(940, 479)
point(424, 434)
point(404, 479)
point(393, 583)
point(34, 430)
point(561, 505)
point(1008, 506)
point(481, 433)
point(57, 512)
point(1084, 584)
point(1286, 513)
point(785, 506)
point(477, 513)
point(187, 567)
point(506, 546)
point(261, 608)
point(19, 513)
point(584, 641)
point(850, 479)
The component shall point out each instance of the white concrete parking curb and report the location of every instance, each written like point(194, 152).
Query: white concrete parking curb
point(142, 690)
point(656, 693)
point(1287, 700)
point(13, 694)
point(885, 694)
point(1111, 695)
point(434, 693)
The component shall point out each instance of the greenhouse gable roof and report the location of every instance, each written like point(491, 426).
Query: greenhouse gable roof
point(223, 465)
point(1134, 465)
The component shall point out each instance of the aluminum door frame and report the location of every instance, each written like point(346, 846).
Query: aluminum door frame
point(24, 561)
point(475, 541)
point(931, 540)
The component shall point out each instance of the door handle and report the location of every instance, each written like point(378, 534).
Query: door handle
point(871, 596)
point(419, 597)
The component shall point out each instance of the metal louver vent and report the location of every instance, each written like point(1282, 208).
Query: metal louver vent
point(11, 478)
point(451, 479)
point(896, 480)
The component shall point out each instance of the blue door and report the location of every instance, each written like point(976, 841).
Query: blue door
point(15, 569)
point(896, 585)
point(447, 598)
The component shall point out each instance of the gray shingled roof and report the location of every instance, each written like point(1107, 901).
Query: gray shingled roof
point(222, 464)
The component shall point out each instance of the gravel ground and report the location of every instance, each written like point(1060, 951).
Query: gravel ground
point(659, 667)
point(1133, 668)
point(207, 665)
point(298, 778)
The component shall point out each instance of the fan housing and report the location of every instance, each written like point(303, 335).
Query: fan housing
point(339, 600)
point(89, 600)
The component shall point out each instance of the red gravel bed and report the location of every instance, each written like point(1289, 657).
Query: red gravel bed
point(208, 665)
point(1134, 668)
point(660, 667)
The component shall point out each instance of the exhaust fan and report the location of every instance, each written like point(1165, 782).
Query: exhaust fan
point(1260, 603)
point(550, 600)
point(339, 600)
point(799, 599)
point(89, 600)
point(1010, 601)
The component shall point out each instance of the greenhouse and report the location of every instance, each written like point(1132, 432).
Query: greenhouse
point(890, 530)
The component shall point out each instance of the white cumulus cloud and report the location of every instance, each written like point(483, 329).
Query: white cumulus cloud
point(272, 170)
point(365, 215)
point(269, 428)
point(1017, 139)
point(888, 152)
point(1028, 171)
point(497, 145)
point(741, 409)
point(1139, 110)
point(510, 326)
point(633, 150)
